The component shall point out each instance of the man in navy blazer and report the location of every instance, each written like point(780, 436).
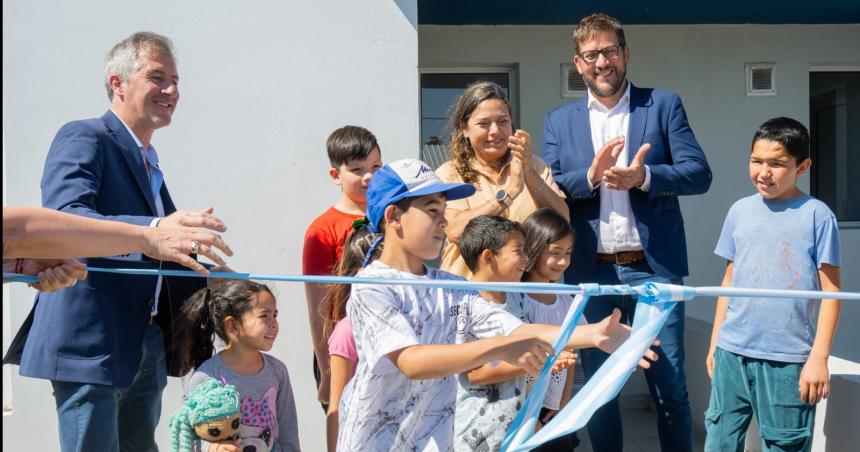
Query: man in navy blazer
point(624, 209)
point(99, 342)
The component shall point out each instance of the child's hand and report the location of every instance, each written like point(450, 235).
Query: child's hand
point(526, 352)
point(611, 333)
point(709, 364)
point(226, 446)
point(565, 360)
point(814, 381)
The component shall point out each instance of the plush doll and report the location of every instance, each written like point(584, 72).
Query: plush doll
point(211, 413)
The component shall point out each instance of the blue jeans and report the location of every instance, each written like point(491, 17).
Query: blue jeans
point(666, 380)
point(743, 387)
point(107, 418)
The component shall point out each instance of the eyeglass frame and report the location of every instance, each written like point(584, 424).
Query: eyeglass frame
point(619, 48)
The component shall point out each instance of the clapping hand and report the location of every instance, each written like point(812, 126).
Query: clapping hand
point(618, 178)
point(604, 160)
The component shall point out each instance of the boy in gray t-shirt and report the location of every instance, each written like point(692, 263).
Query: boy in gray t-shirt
point(766, 357)
point(489, 397)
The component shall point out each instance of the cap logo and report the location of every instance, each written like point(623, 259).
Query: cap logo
point(423, 169)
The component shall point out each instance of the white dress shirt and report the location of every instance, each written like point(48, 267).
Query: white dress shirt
point(159, 204)
point(617, 230)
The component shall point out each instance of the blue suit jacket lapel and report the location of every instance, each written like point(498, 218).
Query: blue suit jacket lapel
point(128, 149)
point(582, 131)
point(639, 103)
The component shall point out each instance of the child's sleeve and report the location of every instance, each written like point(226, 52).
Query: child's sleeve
point(288, 424)
point(488, 319)
point(827, 241)
point(378, 325)
point(726, 244)
point(342, 343)
point(318, 255)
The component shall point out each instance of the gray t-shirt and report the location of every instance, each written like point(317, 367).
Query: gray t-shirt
point(267, 404)
point(484, 411)
point(775, 245)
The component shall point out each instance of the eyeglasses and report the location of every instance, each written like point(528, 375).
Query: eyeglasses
point(608, 52)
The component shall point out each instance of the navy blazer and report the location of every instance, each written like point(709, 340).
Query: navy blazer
point(678, 167)
point(93, 332)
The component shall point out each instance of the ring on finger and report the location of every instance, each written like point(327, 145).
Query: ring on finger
point(195, 247)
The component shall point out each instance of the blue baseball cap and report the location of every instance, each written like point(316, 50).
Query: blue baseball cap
point(407, 178)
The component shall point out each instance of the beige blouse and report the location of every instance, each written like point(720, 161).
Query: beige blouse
point(523, 205)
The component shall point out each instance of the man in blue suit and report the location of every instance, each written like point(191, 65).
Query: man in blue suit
point(624, 209)
point(99, 342)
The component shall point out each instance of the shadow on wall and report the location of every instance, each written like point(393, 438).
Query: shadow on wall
point(840, 425)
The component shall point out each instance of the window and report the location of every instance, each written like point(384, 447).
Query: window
point(440, 89)
point(834, 127)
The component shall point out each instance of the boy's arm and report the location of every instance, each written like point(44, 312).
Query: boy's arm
point(719, 318)
point(607, 335)
point(422, 362)
point(314, 294)
point(489, 374)
point(815, 378)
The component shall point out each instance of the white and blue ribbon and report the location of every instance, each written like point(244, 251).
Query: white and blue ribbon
point(654, 304)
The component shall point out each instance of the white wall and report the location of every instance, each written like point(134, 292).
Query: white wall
point(263, 84)
point(705, 66)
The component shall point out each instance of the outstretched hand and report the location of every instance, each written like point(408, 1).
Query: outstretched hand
point(611, 333)
point(176, 243)
point(526, 352)
point(194, 219)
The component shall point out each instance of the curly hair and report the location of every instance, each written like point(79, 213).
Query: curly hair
point(462, 152)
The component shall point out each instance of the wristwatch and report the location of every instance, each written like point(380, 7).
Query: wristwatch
point(503, 198)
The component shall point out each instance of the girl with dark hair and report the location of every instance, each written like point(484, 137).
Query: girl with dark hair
point(549, 245)
point(336, 325)
point(244, 316)
point(489, 153)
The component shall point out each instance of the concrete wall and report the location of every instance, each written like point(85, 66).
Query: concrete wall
point(705, 66)
point(263, 84)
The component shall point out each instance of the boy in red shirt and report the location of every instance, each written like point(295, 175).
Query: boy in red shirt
point(354, 155)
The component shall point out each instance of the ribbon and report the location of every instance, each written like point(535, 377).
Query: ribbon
point(655, 302)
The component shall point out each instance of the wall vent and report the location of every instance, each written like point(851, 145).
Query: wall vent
point(572, 84)
point(760, 79)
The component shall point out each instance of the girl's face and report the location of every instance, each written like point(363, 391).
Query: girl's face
point(488, 129)
point(553, 260)
point(258, 326)
point(510, 261)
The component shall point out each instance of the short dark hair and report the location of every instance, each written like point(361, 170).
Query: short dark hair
point(350, 143)
point(790, 133)
point(541, 228)
point(596, 23)
point(485, 232)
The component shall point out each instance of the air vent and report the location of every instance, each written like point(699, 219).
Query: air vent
point(572, 84)
point(760, 79)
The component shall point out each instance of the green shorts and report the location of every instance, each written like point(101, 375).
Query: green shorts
point(743, 387)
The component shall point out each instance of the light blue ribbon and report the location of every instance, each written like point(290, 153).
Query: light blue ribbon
point(655, 302)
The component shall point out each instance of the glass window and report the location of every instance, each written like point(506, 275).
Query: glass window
point(439, 92)
point(834, 127)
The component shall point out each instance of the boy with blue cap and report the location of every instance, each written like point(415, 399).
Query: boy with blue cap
point(403, 394)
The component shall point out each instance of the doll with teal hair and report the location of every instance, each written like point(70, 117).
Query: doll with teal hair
point(210, 413)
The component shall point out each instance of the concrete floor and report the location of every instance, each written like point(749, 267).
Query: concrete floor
point(640, 433)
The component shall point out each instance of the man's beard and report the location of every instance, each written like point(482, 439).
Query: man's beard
point(611, 90)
